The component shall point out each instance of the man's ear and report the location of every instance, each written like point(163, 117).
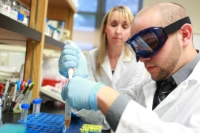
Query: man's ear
point(186, 32)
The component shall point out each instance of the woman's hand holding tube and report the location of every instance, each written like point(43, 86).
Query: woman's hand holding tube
point(81, 93)
point(72, 57)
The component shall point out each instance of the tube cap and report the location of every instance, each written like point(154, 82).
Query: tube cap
point(25, 106)
point(37, 101)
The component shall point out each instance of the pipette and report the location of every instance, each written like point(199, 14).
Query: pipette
point(67, 106)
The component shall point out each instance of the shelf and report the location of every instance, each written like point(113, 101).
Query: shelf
point(62, 4)
point(13, 32)
point(54, 3)
point(51, 43)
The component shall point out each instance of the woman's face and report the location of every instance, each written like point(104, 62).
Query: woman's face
point(117, 29)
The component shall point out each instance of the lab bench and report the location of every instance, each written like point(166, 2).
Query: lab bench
point(48, 107)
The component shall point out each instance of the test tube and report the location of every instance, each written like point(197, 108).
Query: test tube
point(67, 106)
point(36, 106)
point(24, 113)
point(67, 114)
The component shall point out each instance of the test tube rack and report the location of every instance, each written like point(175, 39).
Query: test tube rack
point(44, 123)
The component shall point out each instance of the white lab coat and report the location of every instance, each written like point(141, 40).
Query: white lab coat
point(127, 73)
point(179, 112)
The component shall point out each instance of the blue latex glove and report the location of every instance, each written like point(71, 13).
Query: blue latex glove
point(72, 57)
point(81, 93)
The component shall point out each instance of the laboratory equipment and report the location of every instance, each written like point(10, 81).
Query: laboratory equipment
point(67, 106)
point(1, 123)
point(36, 106)
point(24, 113)
point(90, 128)
point(6, 8)
point(45, 123)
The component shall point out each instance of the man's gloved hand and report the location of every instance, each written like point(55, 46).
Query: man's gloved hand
point(81, 93)
point(72, 57)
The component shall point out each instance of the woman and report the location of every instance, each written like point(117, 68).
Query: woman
point(112, 60)
point(112, 63)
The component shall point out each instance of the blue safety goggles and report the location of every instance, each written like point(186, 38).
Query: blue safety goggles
point(148, 42)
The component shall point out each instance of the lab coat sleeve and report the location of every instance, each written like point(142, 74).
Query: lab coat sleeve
point(138, 119)
point(133, 89)
point(114, 113)
point(90, 68)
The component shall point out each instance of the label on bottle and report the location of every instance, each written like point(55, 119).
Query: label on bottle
point(13, 14)
point(6, 10)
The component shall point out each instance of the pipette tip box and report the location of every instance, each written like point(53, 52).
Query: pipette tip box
point(90, 128)
point(44, 123)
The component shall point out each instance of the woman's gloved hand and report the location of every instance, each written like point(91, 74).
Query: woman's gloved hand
point(81, 93)
point(72, 57)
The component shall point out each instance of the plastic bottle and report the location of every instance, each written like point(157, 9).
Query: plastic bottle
point(6, 8)
point(24, 113)
point(1, 6)
point(47, 27)
point(14, 10)
point(36, 106)
point(20, 18)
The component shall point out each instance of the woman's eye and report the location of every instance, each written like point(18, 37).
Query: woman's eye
point(113, 24)
point(125, 26)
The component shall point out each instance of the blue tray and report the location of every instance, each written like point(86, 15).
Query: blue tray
point(44, 123)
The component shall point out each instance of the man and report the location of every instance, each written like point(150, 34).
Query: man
point(169, 101)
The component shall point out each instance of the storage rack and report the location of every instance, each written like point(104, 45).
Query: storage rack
point(33, 36)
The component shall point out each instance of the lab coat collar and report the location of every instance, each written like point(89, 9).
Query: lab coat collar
point(193, 78)
point(107, 68)
point(149, 90)
point(119, 67)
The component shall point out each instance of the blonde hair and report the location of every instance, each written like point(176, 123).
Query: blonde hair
point(103, 46)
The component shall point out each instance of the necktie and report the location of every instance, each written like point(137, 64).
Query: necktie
point(163, 89)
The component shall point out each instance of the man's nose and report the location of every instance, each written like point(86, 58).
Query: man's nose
point(141, 59)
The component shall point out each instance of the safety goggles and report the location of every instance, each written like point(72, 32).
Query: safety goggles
point(148, 42)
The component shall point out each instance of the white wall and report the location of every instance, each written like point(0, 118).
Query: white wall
point(196, 40)
point(192, 6)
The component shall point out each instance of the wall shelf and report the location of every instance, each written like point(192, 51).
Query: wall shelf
point(55, 3)
point(13, 32)
point(33, 37)
point(51, 43)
